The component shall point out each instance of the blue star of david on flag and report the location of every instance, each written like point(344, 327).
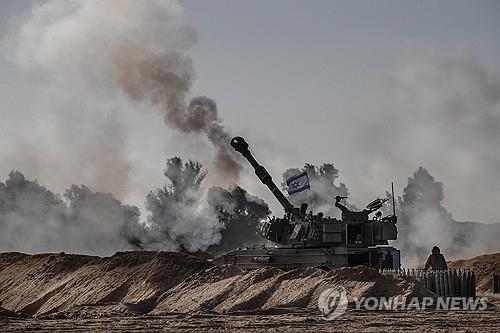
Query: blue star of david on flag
point(298, 183)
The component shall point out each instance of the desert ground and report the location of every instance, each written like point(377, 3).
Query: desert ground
point(355, 321)
point(166, 291)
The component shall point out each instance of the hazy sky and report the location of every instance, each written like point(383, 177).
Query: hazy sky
point(312, 81)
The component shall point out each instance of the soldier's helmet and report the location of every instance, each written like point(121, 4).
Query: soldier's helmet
point(436, 250)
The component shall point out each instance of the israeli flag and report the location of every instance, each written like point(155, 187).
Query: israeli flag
point(298, 183)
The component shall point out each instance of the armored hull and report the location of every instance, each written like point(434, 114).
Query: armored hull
point(325, 258)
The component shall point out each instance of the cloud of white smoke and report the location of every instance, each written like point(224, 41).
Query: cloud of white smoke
point(442, 111)
point(95, 58)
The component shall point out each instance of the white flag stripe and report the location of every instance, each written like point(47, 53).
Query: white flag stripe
point(298, 183)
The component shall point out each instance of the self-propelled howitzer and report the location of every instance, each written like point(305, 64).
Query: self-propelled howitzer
point(304, 239)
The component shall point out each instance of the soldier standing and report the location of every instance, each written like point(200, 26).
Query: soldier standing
point(436, 261)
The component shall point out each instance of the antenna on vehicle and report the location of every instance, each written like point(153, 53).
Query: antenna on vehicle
point(393, 202)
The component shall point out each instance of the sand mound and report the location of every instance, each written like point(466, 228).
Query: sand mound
point(128, 283)
point(47, 283)
point(270, 288)
point(4, 313)
point(8, 258)
point(484, 266)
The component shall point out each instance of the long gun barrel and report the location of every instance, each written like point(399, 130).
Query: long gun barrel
point(239, 144)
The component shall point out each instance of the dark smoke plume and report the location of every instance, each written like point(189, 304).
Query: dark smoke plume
point(165, 79)
point(138, 48)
